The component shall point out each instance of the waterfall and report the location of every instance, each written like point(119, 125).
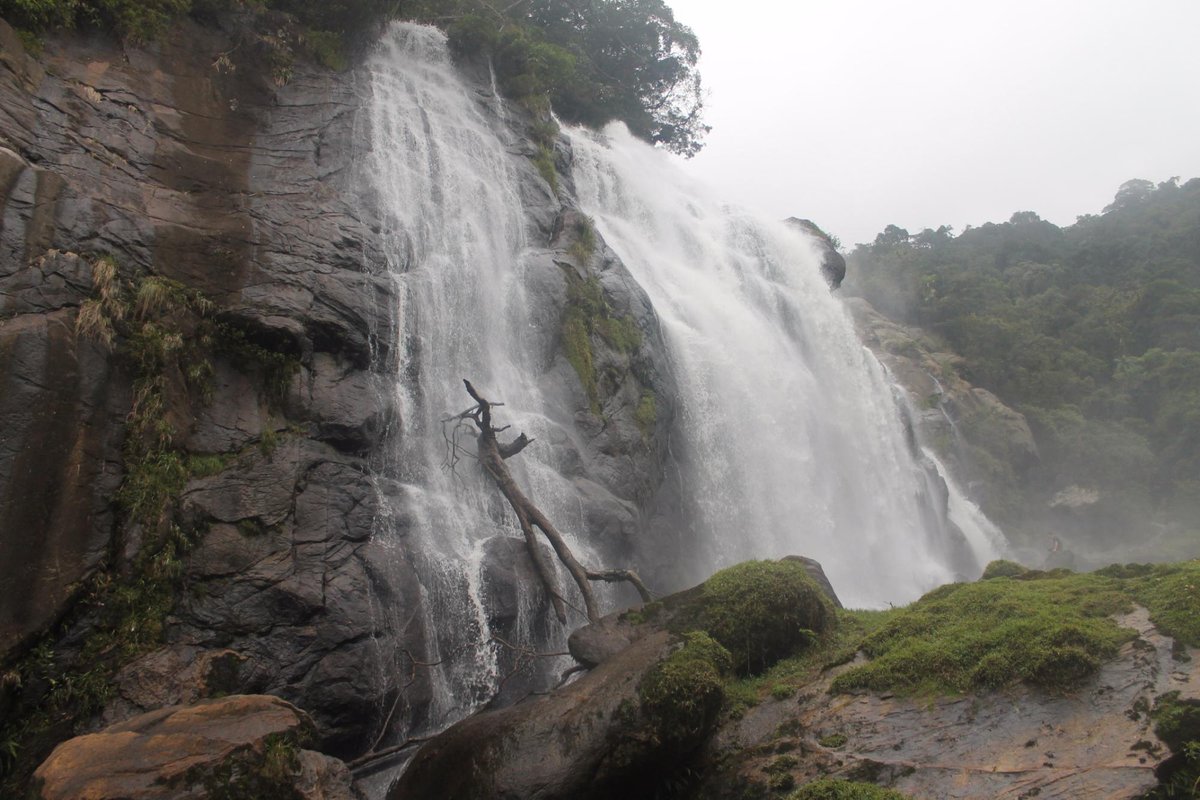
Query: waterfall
point(787, 441)
point(789, 433)
point(456, 242)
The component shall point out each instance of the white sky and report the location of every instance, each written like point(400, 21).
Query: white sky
point(861, 113)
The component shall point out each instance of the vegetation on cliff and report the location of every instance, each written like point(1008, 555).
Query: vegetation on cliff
point(594, 62)
point(1092, 331)
point(166, 336)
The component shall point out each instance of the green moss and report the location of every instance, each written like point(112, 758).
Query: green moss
point(762, 611)
point(543, 159)
point(1177, 722)
point(327, 48)
point(1051, 632)
point(269, 773)
point(584, 245)
point(833, 740)
point(578, 346)
point(837, 645)
point(620, 332)
point(682, 695)
point(587, 313)
point(1171, 592)
point(1003, 569)
point(835, 789)
point(646, 415)
point(205, 466)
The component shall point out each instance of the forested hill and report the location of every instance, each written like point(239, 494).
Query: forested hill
point(1092, 331)
point(594, 62)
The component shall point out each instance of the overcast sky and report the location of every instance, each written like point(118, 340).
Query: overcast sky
point(861, 113)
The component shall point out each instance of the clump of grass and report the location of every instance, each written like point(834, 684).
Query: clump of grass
point(584, 244)
point(587, 313)
point(646, 414)
point(833, 740)
point(1051, 632)
point(543, 159)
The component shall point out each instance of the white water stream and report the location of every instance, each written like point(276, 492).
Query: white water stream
point(789, 439)
point(792, 438)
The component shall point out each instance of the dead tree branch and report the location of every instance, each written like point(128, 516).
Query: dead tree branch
point(492, 455)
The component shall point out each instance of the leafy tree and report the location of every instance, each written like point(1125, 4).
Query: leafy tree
point(1093, 331)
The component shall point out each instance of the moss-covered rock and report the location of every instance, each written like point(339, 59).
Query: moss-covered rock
point(762, 611)
point(682, 695)
point(1003, 569)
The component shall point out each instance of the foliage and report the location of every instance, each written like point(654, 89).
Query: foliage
point(1092, 331)
point(584, 245)
point(762, 611)
point(596, 62)
point(1177, 722)
point(837, 789)
point(166, 336)
point(543, 159)
point(646, 414)
point(267, 775)
point(588, 314)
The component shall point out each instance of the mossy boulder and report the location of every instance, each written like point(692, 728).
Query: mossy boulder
point(762, 611)
point(681, 696)
point(1003, 569)
point(233, 747)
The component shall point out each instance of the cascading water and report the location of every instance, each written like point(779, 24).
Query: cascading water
point(455, 239)
point(790, 437)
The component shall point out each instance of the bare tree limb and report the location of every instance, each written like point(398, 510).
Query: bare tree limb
point(492, 455)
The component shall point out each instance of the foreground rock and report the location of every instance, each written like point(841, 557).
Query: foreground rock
point(1096, 742)
point(238, 746)
point(652, 698)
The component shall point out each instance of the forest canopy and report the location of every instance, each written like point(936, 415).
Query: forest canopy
point(594, 61)
point(1092, 331)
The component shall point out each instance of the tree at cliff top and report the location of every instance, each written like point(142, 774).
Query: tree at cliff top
point(1092, 330)
point(594, 60)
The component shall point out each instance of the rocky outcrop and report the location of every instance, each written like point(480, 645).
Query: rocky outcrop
point(985, 443)
point(186, 160)
point(650, 698)
point(1104, 736)
point(1098, 741)
point(192, 161)
point(833, 263)
point(238, 746)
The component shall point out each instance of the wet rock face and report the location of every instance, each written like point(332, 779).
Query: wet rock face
point(833, 263)
point(184, 160)
point(242, 743)
point(178, 164)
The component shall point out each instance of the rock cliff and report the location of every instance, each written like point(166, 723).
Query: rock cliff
point(197, 331)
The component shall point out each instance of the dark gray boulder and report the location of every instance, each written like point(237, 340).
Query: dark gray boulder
point(833, 263)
